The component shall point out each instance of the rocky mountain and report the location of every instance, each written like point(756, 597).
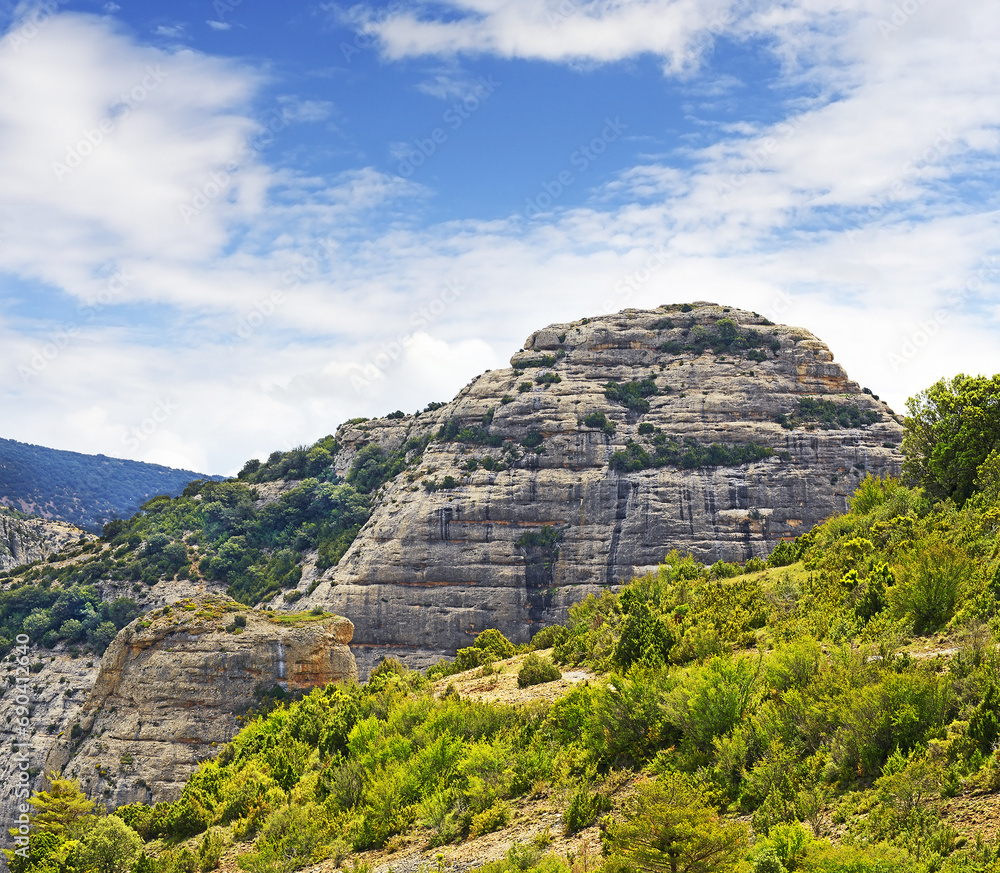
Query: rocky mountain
point(84, 490)
point(170, 690)
point(24, 539)
point(608, 442)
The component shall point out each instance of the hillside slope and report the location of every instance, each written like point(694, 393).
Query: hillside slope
point(85, 490)
point(833, 710)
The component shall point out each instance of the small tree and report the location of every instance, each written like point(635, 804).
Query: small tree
point(63, 810)
point(111, 846)
point(668, 828)
point(951, 430)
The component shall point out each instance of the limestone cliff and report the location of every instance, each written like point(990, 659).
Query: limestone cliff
point(23, 540)
point(516, 509)
point(172, 686)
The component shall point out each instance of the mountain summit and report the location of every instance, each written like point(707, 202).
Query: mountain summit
point(608, 442)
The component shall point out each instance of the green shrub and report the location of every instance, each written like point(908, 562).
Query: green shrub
point(631, 394)
point(491, 819)
point(585, 807)
point(541, 361)
point(210, 850)
point(600, 421)
point(929, 584)
point(372, 467)
point(495, 644)
point(535, 670)
point(548, 637)
point(784, 554)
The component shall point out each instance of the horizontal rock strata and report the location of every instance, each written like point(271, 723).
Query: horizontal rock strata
point(513, 547)
point(173, 685)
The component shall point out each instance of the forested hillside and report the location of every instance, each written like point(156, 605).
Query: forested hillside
point(834, 708)
point(85, 490)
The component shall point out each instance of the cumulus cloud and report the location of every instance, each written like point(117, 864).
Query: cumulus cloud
point(290, 303)
point(105, 140)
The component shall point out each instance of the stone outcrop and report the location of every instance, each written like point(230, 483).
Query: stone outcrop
point(514, 546)
point(23, 540)
point(174, 683)
point(56, 691)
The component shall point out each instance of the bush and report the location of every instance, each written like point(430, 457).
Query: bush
point(495, 644)
point(929, 585)
point(600, 421)
point(491, 819)
point(110, 846)
point(784, 554)
point(631, 394)
point(548, 637)
point(584, 809)
point(536, 670)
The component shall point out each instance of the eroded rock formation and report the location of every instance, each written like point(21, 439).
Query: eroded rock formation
point(173, 684)
point(23, 540)
point(518, 530)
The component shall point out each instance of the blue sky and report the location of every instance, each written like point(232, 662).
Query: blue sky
point(226, 227)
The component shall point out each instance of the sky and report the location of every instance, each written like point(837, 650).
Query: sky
point(227, 226)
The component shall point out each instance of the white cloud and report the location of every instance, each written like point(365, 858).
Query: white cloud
point(174, 31)
point(296, 109)
point(842, 217)
point(448, 83)
point(219, 25)
point(104, 140)
point(555, 30)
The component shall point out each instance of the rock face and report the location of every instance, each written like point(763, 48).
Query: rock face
point(23, 540)
point(172, 685)
point(553, 520)
point(56, 692)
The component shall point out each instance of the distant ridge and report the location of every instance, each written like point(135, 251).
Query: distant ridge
point(85, 490)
